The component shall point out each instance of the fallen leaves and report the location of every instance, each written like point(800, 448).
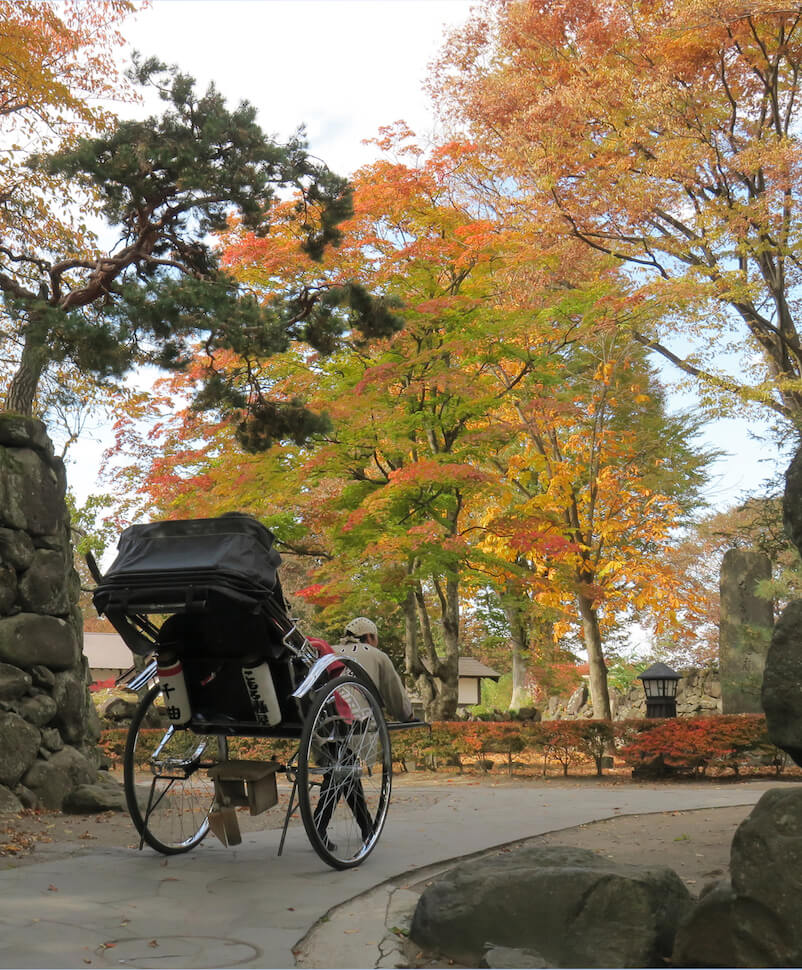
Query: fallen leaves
point(16, 841)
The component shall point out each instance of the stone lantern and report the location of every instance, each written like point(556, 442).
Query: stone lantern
point(660, 686)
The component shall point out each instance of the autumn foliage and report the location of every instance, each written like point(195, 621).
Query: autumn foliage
point(665, 134)
point(465, 402)
point(730, 743)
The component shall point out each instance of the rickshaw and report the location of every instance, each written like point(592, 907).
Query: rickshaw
point(201, 600)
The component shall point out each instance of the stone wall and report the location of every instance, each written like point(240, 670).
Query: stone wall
point(698, 695)
point(48, 724)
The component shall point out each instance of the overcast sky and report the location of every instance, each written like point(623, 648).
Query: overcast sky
point(342, 68)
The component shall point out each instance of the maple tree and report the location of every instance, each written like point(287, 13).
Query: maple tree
point(410, 491)
point(666, 135)
point(597, 474)
point(397, 466)
point(57, 66)
point(382, 494)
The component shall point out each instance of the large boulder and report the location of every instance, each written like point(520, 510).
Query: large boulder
point(8, 589)
point(72, 701)
point(52, 739)
point(9, 803)
point(104, 795)
point(31, 491)
point(744, 629)
point(17, 431)
point(50, 783)
point(52, 780)
point(766, 860)
point(571, 906)
point(44, 587)
point(14, 682)
point(39, 710)
point(19, 744)
point(116, 708)
point(728, 930)
point(577, 700)
point(30, 639)
point(782, 677)
point(16, 548)
point(792, 501)
point(782, 682)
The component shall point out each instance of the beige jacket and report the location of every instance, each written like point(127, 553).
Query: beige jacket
point(378, 666)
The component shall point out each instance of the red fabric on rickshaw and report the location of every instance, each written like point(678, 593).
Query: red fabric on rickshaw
point(337, 668)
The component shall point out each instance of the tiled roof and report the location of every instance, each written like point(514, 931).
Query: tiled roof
point(468, 667)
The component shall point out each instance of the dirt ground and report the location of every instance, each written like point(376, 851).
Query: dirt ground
point(695, 844)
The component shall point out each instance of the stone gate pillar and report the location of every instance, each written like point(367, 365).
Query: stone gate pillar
point(744, 630)
point(48, 725)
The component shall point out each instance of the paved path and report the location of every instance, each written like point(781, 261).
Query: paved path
point(223, 907)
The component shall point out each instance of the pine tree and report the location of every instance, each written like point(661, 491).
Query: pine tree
point(164, 184)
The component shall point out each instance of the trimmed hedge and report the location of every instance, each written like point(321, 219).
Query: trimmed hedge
point(734, 742)
point(690, 745)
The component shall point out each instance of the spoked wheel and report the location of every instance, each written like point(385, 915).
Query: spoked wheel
point(170, 810)
point(344, 772)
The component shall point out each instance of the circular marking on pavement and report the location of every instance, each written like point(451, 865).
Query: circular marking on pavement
point(178, 951)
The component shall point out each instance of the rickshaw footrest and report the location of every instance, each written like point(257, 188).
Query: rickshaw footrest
point(250, 784)
point(223, 823)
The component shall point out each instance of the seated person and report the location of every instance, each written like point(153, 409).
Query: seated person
point(361, 642)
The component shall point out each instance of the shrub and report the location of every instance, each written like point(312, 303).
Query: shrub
point(596, 739)
point(503, 737)
point(728, 742)
point(562, 740)
point(688, 744)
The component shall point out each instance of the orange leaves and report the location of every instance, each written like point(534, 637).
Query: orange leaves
point(663, 134)
point(57, 66)
point(429, 470)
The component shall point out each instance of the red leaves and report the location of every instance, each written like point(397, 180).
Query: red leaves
point(690, 743)
point(429, 470)
point(695, 743)
point(317, 594)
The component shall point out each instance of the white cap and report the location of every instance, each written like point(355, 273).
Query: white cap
point(361, 626)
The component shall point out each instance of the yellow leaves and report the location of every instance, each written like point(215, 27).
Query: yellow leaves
point(662, 133)
point(56, 66)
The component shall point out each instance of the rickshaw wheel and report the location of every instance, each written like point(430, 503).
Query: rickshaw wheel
point(344, 772)
point(170, 807)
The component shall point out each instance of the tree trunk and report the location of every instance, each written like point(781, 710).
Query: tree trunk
point(436, 678)
point(415, 666)
point(25, 383)
point(448, 694)
point(599, 695)
point(521, 696)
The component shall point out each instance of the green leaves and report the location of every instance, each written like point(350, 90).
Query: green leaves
point(164, 184)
